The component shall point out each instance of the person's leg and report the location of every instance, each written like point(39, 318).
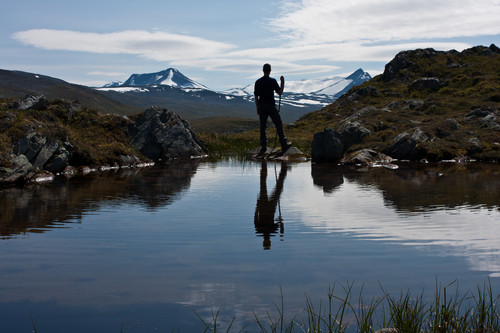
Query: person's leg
point(276, 118)
point(263, 126)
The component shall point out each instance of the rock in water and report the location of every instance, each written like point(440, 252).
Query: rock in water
point(162, 134)
point(327, 146)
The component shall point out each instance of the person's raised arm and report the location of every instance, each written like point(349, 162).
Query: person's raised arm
point(282, 85)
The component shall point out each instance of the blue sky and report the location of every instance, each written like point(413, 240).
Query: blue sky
point(223, 44)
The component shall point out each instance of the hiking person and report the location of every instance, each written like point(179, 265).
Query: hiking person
point(264, 90)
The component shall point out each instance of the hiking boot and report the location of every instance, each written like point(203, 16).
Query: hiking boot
point(262, 151)
point(285, 147)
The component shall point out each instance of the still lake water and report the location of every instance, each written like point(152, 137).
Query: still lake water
point(148, 250)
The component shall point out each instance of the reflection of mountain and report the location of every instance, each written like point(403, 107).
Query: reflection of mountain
point(40, 207)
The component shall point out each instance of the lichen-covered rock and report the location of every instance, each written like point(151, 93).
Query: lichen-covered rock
point(18, 167)
point(162, 134)
point(60, 158)
point(352, 133)
point(406, 146)
point(367, 157)
point(36, 102)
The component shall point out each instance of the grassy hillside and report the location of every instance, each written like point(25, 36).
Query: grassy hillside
point(97, 139)
point(460, 116)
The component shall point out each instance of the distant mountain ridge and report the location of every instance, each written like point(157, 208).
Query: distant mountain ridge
point(172, 89)
point(332, 86)
point(169, 77)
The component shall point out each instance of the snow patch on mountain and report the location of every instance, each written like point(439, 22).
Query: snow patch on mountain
point(112, 84)
point(123, 89)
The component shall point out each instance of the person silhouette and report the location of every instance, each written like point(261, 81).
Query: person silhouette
point(264, 90)
point(265, 209)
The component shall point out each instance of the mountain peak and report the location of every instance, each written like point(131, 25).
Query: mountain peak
point(168, 77)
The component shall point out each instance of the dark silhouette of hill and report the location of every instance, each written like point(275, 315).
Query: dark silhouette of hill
point(18, 84)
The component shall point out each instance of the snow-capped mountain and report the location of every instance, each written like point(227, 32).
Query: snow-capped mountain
point(171, 89)
point(169, 77)
point(113, 84)
point(333, 87)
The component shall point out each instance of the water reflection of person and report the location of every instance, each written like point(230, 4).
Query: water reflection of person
point(265, 224)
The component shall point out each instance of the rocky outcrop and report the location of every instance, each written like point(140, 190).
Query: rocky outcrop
point(403, 61)
point(352, 133)
point(162, 134)
point(42, 153)
point(486, 117)
point(431, 84)
point(32, 154)
point(330, 145)
point(406, 146)
point(17, 168)
point(157, 134)
point(36, 102)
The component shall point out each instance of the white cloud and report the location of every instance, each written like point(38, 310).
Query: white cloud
point(160, 46)
point(308, 22)
point(313, 36)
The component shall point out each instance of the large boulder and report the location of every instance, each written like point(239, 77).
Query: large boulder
point(403, 60)
point(431, 84)
point(162, 134)
point(327, 146)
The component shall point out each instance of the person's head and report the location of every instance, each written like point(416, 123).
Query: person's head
point(266, 69)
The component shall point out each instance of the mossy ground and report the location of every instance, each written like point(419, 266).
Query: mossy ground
point(98, 139)
point(471, 80)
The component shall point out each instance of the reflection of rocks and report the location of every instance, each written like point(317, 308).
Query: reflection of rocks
point(414, 187)
point(44, 206)
point(328, 177)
